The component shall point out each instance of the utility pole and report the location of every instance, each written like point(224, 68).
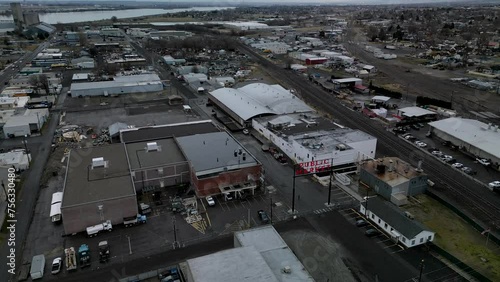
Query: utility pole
point(271, 207)
point(293, 192)
point(421, 270)
point(330, 185)
point(175, 243)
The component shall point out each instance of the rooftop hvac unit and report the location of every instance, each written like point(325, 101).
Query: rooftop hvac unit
point(98, 162)
point(287, 269)
point(152, 146)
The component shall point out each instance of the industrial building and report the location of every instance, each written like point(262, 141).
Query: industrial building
point(255, 100)
point(259, 254)
point(471, 136)
point(220, 165)
point(142, 83)
point(98, 186)
point(157, 164)
point(416, 114)
point(308, 137)
point(103, 184)
point(399, 225)
point(26, 124)
point(393, 179)
point(347, 82)
point(17, 159)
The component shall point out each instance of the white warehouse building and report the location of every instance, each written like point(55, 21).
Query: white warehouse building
point(473, 136)
point(141, 83)
point(255, 100)
point(307, 137)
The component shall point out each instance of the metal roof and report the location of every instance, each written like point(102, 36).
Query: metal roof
point(275, 251)
point(473, 132)
point(119, 81)
point(395, 218)
point(415, 112)
point(215, 152)
point(238, 264)
point(167, 130)
point(259, 99)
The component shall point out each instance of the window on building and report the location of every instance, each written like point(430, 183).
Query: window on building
point(392, 229)
point(421, 240)
point(385, 225)
point(429, 238)
point(373, 216)
point(403, 239)
point(379, 221)
point(412, 242)
point(308, 156)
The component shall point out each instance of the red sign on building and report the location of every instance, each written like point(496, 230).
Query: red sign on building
point(312, 167)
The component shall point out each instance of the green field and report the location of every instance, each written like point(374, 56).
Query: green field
point(457, 237)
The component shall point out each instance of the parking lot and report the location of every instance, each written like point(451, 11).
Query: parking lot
point(476, 170)
point(382, 239)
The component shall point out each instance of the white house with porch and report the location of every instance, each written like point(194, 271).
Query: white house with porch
point(400, 226)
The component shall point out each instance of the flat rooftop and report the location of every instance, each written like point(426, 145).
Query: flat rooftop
point(415, 112)
point(327, 140)
point(275, 251)
point(290, 124)
point(168, 152)
point(215, 152)
point(167, 131)
point(119, 81)
point(473, 132)
point(401, 172)
point(85, 184)
point(238, 264)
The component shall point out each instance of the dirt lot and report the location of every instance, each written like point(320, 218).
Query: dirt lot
point(457, 237)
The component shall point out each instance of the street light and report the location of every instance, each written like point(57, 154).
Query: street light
point(366, 202)
point(25, 142)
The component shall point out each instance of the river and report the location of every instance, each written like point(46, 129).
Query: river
point(75, 17)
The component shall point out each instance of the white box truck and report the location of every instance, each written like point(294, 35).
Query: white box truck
point(37, 267)
point(94, 230)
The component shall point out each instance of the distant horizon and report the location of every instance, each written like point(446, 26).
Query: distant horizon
point(261, 2)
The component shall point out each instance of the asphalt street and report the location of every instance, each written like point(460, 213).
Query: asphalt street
point(26, 198)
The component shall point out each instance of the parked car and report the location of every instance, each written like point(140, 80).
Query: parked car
point(421, 125)
point(494, 184)
point(420, 144)
point(409, 137)
point(263, 216)
point(437, 153)
point(210, 201)
point(457, 165)
point(484, 162)
point(372, 232)
point(414, 126)
point(56, 265)
point(468, 170)
point(447, 159)
point(245, 131)
point(361, 223)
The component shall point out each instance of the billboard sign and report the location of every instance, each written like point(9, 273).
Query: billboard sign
point(312, 167)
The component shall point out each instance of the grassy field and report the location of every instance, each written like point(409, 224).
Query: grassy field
point(458, 238)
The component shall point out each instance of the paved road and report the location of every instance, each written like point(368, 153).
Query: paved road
point(26, 199)
point(474, 199)
point(19, 64)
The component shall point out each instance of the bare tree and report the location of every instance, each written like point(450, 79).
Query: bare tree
point(33, 81)
point(82, 37)
point(43, 81)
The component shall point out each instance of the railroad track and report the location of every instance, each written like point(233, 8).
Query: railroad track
point(478, 201)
